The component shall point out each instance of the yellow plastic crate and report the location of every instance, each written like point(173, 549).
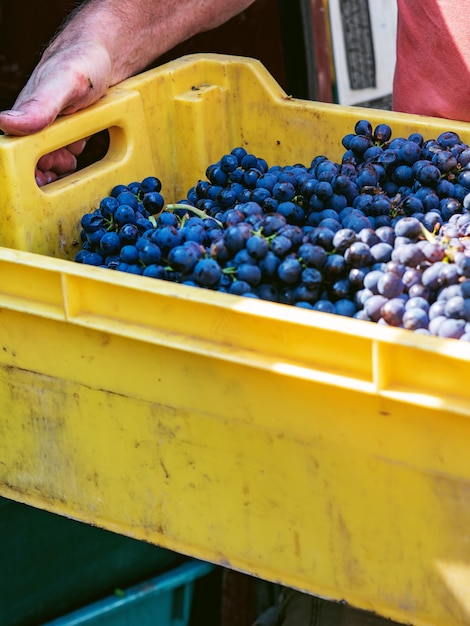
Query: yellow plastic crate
point(323, 452)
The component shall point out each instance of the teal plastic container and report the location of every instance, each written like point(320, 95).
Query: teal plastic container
point(55, 565)
point(164, 600)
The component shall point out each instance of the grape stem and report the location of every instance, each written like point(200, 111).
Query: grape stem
point(431, 237)
point(199, 212)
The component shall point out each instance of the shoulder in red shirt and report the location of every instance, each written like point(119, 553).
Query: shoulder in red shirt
point(432, 75)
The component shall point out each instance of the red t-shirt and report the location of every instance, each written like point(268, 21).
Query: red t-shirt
point(432, 75)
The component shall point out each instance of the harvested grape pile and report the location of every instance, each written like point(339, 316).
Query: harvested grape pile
point(383, 235)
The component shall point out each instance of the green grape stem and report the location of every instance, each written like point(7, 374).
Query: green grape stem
point(431, 237)
point(198, 212)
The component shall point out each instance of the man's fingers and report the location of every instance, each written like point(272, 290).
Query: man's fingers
point(77, 147)
point(60, 161)
point(40, 178)
point(44, 178)
point(60, 85)
point(23, 123)
point(31, 112)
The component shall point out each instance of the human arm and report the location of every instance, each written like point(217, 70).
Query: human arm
point(432, 73)
point(102, 43)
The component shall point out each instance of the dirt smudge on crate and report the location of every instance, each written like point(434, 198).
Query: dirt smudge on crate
point(165, 471)
point(297, 550)
point(105, 339)
point(343, 547)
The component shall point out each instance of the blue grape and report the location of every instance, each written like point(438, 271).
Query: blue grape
point(289, 270)
point(129, 254)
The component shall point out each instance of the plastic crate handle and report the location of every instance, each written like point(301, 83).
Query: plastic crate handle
point(120, 111)
point(129, 155)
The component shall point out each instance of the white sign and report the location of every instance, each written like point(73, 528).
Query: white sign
point(363, 34)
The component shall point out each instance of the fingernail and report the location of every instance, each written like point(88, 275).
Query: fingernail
point(13, 113)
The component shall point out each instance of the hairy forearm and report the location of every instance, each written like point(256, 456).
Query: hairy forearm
point(102, 43)
point(133, 33)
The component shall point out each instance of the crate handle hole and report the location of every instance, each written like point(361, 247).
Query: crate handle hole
point(96, 148)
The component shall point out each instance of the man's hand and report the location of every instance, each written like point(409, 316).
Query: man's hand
point(62, 83)
point(103, 43)
point(59, 163)
point(73, 73)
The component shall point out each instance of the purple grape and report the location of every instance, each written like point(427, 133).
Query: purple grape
point(392, 311)
point(358, 255)
point(373, 306)
point(451, 328)
point(415, 318)
point(390, 285)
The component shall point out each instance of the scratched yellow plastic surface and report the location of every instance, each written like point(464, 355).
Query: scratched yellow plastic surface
point(325, 453)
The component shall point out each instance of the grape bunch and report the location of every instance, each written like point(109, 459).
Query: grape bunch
point(382, 235)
